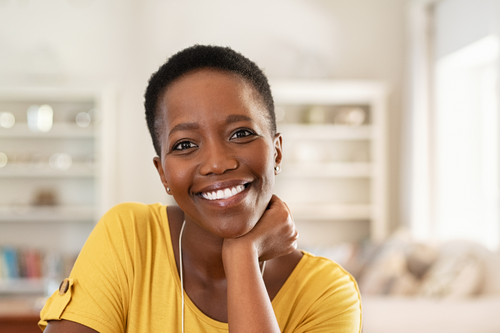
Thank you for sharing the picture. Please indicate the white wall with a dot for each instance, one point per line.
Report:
(459, 23)
(370, 43)
(123, 42)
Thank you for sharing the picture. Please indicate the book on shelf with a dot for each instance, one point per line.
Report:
(23, 263)
(10, 263)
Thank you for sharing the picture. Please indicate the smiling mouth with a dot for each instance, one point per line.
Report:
(224, 193)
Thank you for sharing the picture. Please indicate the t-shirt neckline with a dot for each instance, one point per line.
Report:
(187, 299)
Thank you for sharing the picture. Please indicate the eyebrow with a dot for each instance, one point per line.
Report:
(183, 127)
(233, 118)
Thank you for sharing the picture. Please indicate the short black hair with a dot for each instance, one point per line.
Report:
(196, 57)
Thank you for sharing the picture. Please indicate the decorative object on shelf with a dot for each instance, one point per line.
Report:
(309, 152)
(83, 119)
(40, 118)
(45, 197)
(352, 116)
(316, 115)
(60, 161)
(7, 120)
(3, 159)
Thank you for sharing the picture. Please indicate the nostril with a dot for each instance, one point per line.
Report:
(218, 165)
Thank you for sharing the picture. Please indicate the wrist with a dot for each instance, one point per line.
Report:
(237, 252)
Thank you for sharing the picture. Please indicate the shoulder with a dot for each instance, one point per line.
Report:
(319, 296)
(322, 271)
(322, 265)
(133, 212)
(134, 209)
(130, 221)
(318, 280)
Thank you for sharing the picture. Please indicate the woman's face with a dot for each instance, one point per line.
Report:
(218, 153)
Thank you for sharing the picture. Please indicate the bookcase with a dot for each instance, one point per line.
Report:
(56, 179)
(334, 173)
(56, 183)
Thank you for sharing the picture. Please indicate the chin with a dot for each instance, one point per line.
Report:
(235, 226)
(233, 220)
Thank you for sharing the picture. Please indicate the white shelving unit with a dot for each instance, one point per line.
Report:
(334, 173)
(78, 194)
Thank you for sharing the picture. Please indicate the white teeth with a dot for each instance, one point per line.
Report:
(223, 194)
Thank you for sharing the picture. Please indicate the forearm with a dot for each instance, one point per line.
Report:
(249, 306)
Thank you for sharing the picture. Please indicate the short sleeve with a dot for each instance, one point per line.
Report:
(337, 310)
(98, 291)
(319, 297)
(56, 304)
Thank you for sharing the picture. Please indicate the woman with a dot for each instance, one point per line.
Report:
(225, 258)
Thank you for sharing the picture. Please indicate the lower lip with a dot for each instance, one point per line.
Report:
(229, 201)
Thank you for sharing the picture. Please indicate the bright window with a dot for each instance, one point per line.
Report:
(466, 150)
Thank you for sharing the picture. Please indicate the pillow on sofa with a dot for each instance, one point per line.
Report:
(387, 273)
(458, 272)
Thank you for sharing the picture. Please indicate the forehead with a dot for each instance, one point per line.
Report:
(207, 94)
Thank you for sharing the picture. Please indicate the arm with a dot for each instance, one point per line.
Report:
(66, 326)
(97, 283)
(249, 306)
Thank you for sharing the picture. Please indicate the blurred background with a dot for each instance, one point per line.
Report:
(388, 108)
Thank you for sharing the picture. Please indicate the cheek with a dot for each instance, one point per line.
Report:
(178, 176)
(263, 164)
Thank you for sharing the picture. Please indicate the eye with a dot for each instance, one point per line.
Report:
(242, 133)
(184, 145)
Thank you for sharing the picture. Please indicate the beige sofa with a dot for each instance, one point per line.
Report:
(409, 288)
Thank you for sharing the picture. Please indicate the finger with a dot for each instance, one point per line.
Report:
(274, 200)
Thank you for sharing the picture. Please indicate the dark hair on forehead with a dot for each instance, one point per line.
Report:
(196, 57)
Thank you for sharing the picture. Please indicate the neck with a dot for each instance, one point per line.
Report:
(202, 253)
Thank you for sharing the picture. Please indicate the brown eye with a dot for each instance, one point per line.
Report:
(184, 145)
(242, 134)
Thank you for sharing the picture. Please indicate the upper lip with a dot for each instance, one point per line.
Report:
(222, 185)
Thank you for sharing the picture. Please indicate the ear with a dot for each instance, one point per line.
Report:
(278, 153)
(159, 168)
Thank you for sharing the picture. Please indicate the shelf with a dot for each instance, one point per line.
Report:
(326, 170)
(327, 92)
(47, 213)
(77, 170)
(22, 286)
(325, 132)
(330, 212)
(59, 130)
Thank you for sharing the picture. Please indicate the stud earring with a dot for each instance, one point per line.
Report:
(168, 189)
(277, 168)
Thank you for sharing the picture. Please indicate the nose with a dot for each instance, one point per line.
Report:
(217, 158)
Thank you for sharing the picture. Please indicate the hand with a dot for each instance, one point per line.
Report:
(274, 234)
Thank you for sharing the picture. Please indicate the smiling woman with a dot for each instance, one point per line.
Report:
(199, 266)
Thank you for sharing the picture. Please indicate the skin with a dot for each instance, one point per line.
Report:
(216, 135)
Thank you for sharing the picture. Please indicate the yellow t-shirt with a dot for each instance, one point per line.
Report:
(125, 280)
